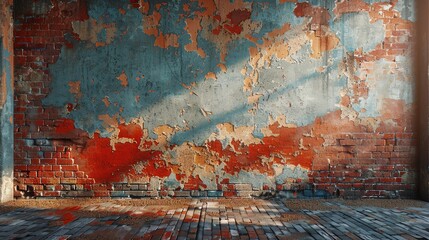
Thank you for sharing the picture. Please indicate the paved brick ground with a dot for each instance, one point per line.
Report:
(211, 219)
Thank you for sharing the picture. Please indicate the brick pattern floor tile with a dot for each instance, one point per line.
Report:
(209, 219)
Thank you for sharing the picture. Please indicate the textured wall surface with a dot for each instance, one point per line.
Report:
(6, 101)
(148, 98)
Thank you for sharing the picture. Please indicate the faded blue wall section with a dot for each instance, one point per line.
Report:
(6, 104)
(160, 98)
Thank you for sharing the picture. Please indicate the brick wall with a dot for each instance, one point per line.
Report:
(43, 165)
(342, 151)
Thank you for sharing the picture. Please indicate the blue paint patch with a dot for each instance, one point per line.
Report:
(171, 182)
(106, 11)
(257, 180)
(390, 86)
(274, 15)
(295, 172)
(407, 8)
(296, 90)
(301, 94)
(355, 31)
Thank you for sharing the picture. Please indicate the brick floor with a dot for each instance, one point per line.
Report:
(210, 219)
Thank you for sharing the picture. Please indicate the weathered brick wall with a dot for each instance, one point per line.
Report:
(117, 98)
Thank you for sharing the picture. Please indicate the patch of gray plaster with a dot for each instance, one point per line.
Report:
(355, 31)
(384, 82)
(300, 93)
(257, 180)
(171, 182)
(6, 129)
(407, 8)
(291, 171)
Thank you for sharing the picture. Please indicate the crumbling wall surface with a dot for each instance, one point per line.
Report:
(218, 98)
(6, 102)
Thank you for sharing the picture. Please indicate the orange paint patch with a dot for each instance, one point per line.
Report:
(211, 75)
(100, 44)
(193, 27)
(106, 101)
(222, 67)
(150, 23)
(279, 31)
(186, 7)
(74, 88)
(322, 43)
(3, 89)
(123, 79)
(209, 6)
(167, 40)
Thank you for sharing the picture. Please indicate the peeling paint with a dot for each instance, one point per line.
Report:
(196, 95)
(123, 79)
(98, 34)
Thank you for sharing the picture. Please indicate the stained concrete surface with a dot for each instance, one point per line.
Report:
(214, 219)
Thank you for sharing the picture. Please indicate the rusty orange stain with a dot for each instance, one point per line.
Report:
(186, 7)
(74, 88)
(106, 101)
(123, 79)
(222, 67)
(326, 41)
(150, 23)
(167, 40)
(211, 75)
(144, 6)
(3, 88)
(193, 27)
(209, 6)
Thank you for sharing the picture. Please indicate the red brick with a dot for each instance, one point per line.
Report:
(50, 180)
(404, 135)
(350, 142)
(68, 174)
(85, 181)
(49, 161)
(70, 167)
(47, 174)
(51, 193)
(230, 194)
(65, 161)
(20, 167)
(102, 194)
(69, 181)
(31, 180)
